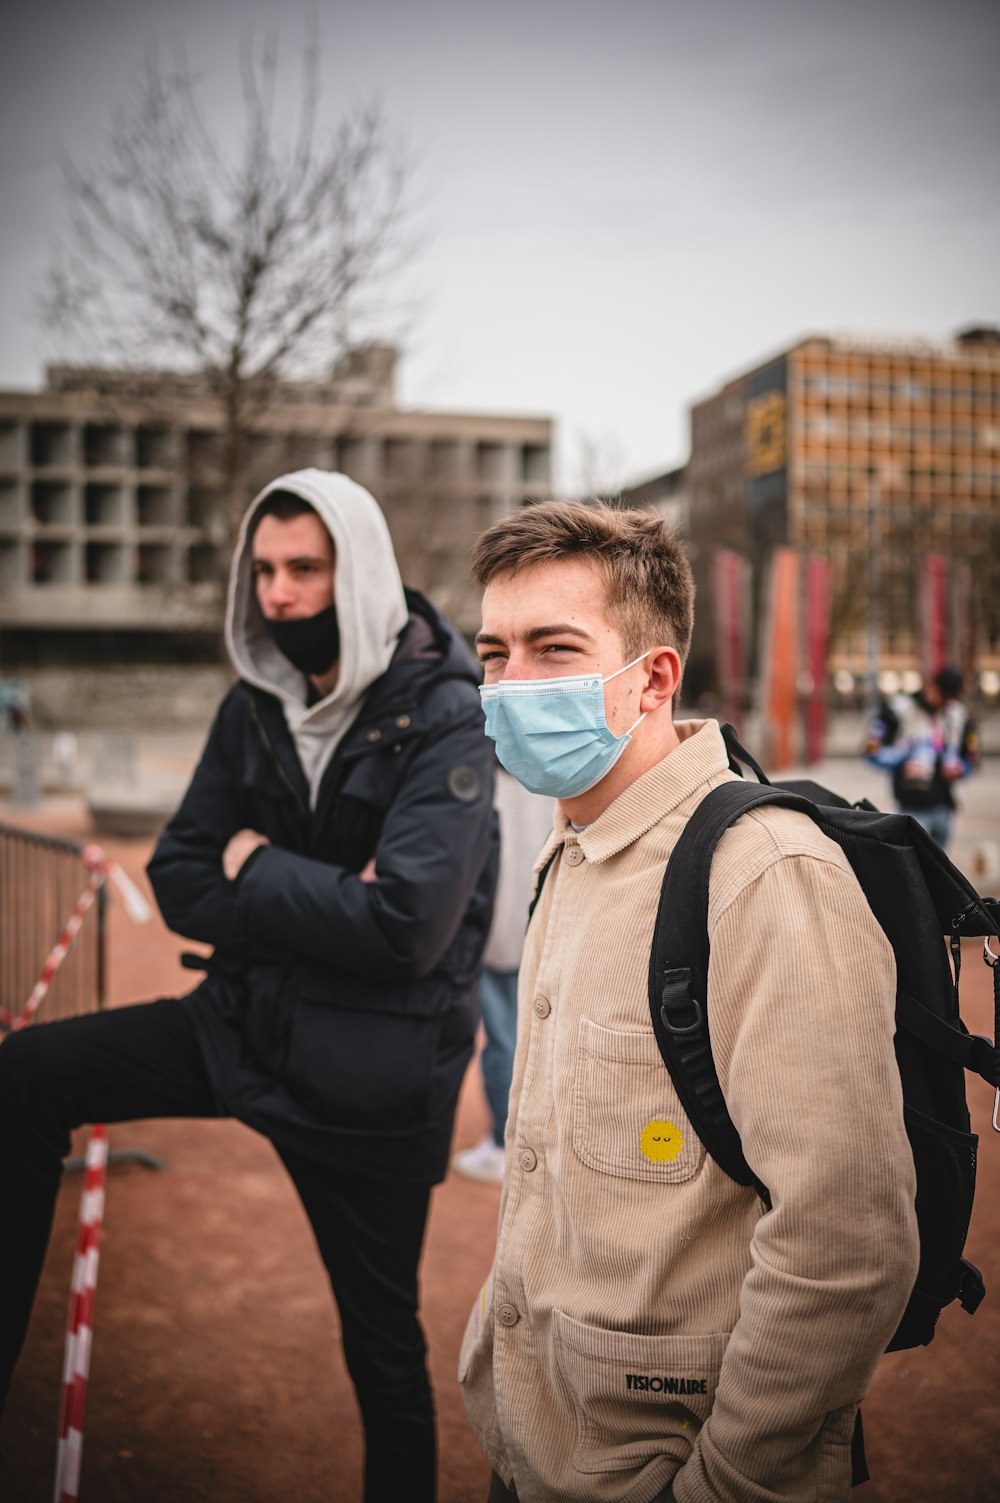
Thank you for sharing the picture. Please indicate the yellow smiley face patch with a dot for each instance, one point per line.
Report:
(661, 1141)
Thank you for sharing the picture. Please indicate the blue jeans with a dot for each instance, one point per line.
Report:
(936, 821)
(498, 1003)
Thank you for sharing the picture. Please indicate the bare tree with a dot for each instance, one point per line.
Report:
(598, 466)
(244, 269)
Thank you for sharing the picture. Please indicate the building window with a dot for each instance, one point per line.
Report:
(51, 444)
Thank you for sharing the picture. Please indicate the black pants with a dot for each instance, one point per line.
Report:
(144, 1061)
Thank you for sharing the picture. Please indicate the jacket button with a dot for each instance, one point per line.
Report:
(375, 735)
(507, 1315)
(542, 1007)
(574, 855)
(529, 1160)
(402, 721)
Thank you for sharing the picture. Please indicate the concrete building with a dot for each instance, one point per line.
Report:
(114, 532)
(666, 494)
(851, 447)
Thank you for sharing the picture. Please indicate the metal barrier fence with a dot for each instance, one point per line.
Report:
(46, 888)
(53, 963)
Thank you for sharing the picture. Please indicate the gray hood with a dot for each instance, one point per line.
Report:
(371, 610)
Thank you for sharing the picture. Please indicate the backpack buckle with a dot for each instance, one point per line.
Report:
(680, 1031)
(675, 996)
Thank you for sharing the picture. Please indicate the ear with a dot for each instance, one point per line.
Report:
(664, 668)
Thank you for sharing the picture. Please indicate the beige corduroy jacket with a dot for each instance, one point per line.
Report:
(644, 1319)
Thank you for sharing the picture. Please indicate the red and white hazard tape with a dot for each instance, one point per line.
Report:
(79, 1333)
(100, 868)
(76, 1367)
(57, 955)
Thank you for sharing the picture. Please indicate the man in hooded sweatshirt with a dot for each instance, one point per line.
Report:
(337, 849)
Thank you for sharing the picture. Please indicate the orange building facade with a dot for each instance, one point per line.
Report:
(871, 453)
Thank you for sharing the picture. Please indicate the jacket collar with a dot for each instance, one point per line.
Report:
(683, 772)
(429, 648)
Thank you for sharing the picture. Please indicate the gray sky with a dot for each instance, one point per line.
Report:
(626, 203)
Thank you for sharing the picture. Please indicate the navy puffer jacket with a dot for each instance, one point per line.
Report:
(338, 1016)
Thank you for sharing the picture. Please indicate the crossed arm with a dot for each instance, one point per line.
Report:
(430, 854)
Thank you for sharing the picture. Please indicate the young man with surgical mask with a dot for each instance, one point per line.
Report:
(337, 850)
(647, 1331)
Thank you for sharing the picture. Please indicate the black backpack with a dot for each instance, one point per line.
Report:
(917, 895)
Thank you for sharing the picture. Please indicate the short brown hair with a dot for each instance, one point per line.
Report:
(650, 588)
(281, 504)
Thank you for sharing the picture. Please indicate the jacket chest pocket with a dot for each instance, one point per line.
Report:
(350, 834)
(354, 824)
(627, 1118)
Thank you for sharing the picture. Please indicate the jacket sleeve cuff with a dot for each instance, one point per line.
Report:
(248, 863)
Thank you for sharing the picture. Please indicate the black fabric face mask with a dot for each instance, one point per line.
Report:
(312, 643)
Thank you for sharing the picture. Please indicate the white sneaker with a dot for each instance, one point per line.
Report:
(484, 1162)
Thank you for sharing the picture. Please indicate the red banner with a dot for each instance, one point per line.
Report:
(962, 636)
(817, 645)
(779, 661)
(932, 613)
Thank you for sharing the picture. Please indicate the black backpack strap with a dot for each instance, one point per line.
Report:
(972, 1051)
(738, 754)
(542, 874)
(678, 969)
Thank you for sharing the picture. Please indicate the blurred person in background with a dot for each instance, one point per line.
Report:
(928, 742)
(337, 850)
(525, 822)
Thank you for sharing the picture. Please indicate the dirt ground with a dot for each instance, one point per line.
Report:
(216, 1375)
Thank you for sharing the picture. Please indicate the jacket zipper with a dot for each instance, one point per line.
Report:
(282, 774)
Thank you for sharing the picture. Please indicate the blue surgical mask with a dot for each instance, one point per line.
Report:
(551, 733)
